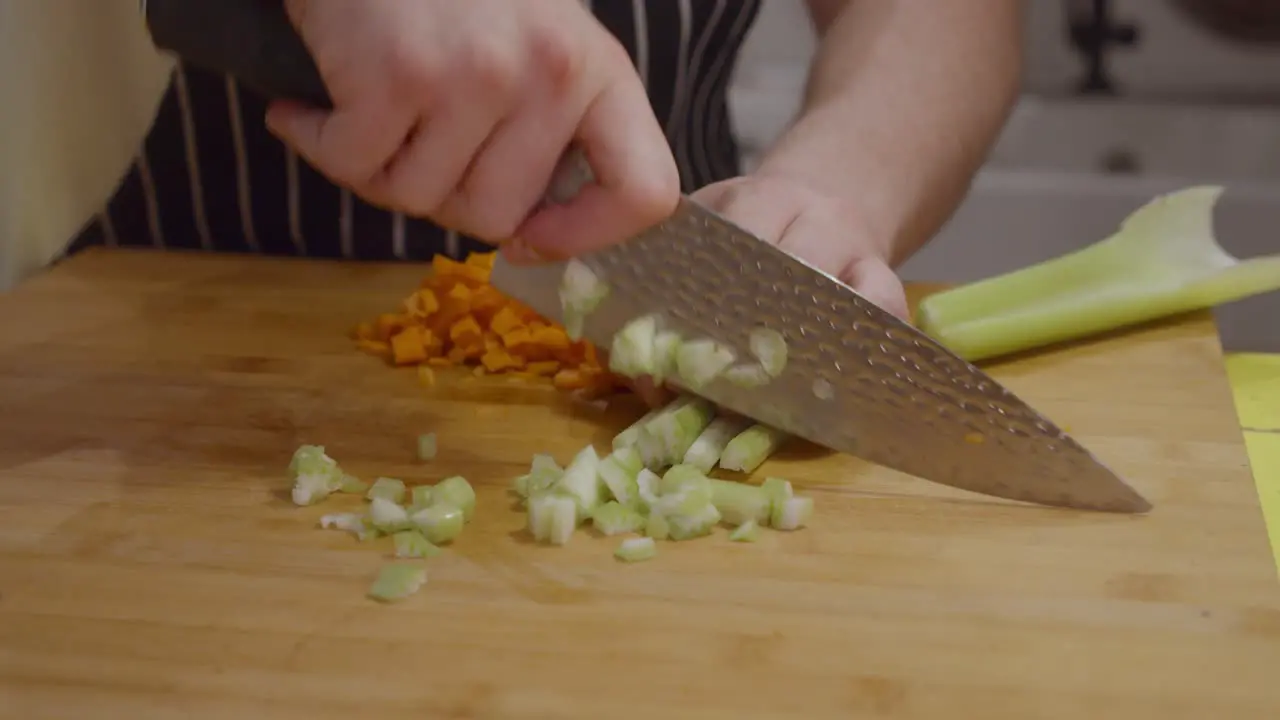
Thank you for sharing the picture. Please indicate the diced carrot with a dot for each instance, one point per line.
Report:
(505, 321)
(389, 324)
(466, 331)
(440, 362)
(426, 376)
(375, 347)
(497, 360)
(445, 266)
(544, 368)
(408, 346)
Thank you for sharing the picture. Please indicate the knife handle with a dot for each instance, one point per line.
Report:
(255, 42)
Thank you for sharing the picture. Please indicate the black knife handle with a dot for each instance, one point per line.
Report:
(251, 40)
(255, 42)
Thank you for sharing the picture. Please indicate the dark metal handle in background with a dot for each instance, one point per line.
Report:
(254, 41)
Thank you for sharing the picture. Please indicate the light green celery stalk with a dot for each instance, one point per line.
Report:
(1163, 260)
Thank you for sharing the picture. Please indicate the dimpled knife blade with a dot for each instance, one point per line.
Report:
(857, 380)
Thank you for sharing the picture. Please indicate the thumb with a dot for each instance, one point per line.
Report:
(300, 126)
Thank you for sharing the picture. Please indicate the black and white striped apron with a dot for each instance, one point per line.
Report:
(211, 177)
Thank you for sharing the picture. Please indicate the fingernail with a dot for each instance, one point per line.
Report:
(519, 252)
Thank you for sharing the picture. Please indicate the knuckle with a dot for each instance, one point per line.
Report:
(489, 65)
(557, 56)
(414, 68)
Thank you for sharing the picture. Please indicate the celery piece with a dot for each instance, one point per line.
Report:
(520, 486)
(347, 522)
(613, 518)
(739, 502)
(544, 464)
(552, 518)
(666, 344)
(631, 353)
(750, 448)
(581, 292)
(657, 527)
(456, 491)
(440, 522)
(628, 437)
(770, 348)
(748, 531)
(792, 513)
(618, 471)
(705, 451)
(666, 438)
(698, 362)
(777, 490)
(310, 489)
(636, 550)
(388, 489)
(353, 485)
(686, 526)
(648, 485)
(581, 481)
(427, 446)
(316, 476)
(681, 478)
(747, 376)
(420, 497)
(1163, 260)
(543, 474)
(312, 460)
(388, 517)
(413, 544)
(398, 581)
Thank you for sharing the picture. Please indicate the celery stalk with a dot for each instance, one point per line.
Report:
(628, 437)
(397, 581)
(665, 346)
(455, 491)
(750, 448)
(666, 438)
(440, 523)
(636, 550)
(413, 544)
(792, 514)
(581, 292)
(613, 518)
(388, 489)
(705, 451)
(1163, 260)
(648, 486)
(739, 502)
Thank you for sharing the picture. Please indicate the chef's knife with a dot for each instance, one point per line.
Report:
(857, 379)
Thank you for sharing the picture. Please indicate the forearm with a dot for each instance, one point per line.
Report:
(904, 100)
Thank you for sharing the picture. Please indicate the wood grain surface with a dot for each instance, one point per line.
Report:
(152, 567)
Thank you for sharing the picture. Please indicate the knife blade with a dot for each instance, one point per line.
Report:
(858, 380)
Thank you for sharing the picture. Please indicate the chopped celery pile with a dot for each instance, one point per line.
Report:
(749, 449)
(387, 489)
(1164, 259)
(581, 292)
(636, 550)
(397, 582)
(316, 476)
(644, 347)
(413, 544)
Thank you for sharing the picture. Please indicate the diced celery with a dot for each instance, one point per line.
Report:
(427, 446)
(657, 527)
(440, 523)
(1163, 260)
(420, 497)
(398, 581)
(413, 544)
(353, 485)
(740, 503)
(312, 460)
(750, 448)
(748, 531)
(777, 490)
(613, 518)
(309, 489)
(679, 478)
(456, 491)
(581, 292)
(632, 353)
(543, 465)
(520, 486)
(581, 481)
(666, 438)
(347, 522)
(747, 376)
(770, 348)
(636, 550)
(316, 476)
(552, 518)
(705, 450)
(666, 344)
(387, 516)
(686, 526)
(648, 487)
(792, 514)
(388, 489)
(628, 437)
(618, 471)
(698, 362)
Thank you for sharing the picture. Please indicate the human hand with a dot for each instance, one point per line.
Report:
(813, 227)
(459, 112)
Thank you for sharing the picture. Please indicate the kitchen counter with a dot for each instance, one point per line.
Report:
(151, 565)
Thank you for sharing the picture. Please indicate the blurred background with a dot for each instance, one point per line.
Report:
(1124, 99)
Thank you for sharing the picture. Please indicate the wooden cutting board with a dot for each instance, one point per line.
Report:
(151, 566)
